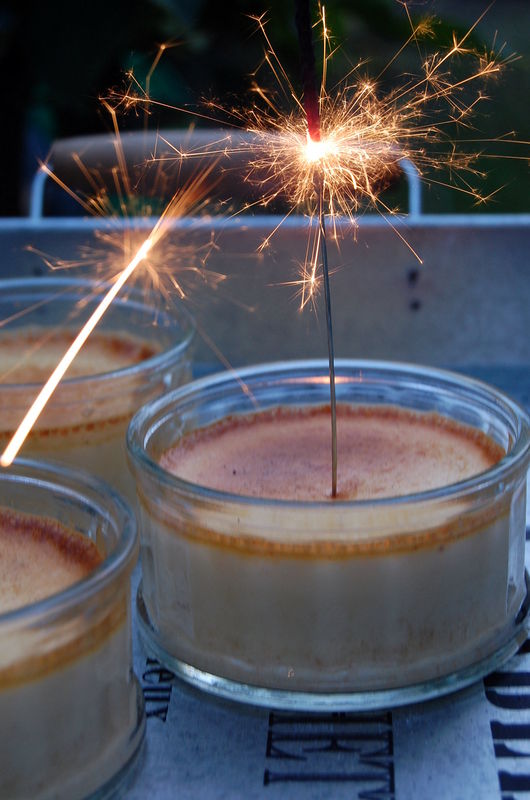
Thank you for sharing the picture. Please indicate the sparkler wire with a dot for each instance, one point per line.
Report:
(312, 112)
(331, 350)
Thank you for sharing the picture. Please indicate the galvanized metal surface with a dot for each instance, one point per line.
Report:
(467, 305)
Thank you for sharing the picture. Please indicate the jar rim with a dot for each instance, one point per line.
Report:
(152, 416)
(78, 487)
(159, 361)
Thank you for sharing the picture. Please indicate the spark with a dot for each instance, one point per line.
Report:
(365, 131)
(317, 150)
(181, 201)
(53, 381)
(134, 185)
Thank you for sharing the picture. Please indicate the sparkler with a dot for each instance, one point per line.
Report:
(314, 144)
(356, 135)
(333, 152)
(124, 192)
(180, 203)
(364, 134)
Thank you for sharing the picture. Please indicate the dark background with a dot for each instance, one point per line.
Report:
(59, 57)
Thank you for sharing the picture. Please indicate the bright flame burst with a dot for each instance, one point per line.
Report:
(365, 134)
(127, 248)
(131, 188)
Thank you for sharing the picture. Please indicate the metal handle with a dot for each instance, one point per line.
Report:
(36, 202)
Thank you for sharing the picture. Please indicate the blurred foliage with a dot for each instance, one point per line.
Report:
(62, 56)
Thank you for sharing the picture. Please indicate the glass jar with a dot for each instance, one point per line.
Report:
(71, 710)
(135, 353)
(332, 604)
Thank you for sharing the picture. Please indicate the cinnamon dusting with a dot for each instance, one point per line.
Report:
(284, 453)
(40, 557)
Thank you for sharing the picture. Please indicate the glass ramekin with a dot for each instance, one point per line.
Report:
(71, 710)
(337, 604)
(85, 421)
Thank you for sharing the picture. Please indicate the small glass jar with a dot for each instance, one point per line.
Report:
(71, 710)
(85, 421)
(332, 604)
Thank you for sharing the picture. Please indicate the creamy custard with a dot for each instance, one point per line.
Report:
(29, 355)
(39, 557)
(285, 454)
(68, 698)
(301, 592)
(85, 421)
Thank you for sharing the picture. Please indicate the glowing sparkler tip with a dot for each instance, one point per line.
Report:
(317, 149)
(145, 248)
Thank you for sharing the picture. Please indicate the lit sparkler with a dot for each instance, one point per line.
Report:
(332, 152)
(364, 133)
(315, 152)
(182, 201)
(132, 186)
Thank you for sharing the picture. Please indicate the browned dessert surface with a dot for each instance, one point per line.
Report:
(285, 454)
(39, 557)
(31, 354)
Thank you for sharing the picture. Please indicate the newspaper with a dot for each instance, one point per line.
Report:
(472, 745)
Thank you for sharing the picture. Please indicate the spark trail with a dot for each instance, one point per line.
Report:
(181, 201)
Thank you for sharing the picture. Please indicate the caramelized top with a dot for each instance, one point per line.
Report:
(39, 557)
(29, 355)
(285, 454)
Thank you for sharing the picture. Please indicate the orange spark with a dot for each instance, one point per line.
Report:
(182, 199)
(53, 381)
(365, 132)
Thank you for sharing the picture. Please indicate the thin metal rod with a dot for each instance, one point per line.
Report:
(331, 350)
(312, 111)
